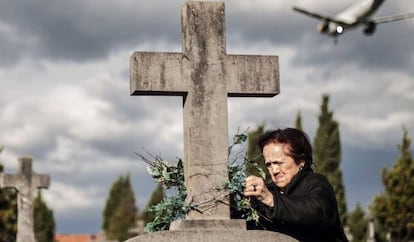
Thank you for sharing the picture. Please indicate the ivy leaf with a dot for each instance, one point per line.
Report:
(239, 138)
(166, 175)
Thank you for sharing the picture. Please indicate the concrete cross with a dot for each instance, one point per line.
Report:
(371, 226)
(25, 181)
(205, 76)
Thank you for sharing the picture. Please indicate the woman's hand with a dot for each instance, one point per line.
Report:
(256, 187)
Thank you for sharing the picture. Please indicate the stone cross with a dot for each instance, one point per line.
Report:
(205, 76)
(25, 181)
(371, 227)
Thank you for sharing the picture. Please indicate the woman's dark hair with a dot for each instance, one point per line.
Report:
(299, 145)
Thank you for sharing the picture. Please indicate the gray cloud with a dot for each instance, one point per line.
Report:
(86, 30)
(65, 68)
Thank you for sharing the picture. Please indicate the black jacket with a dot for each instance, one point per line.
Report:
(307, 210)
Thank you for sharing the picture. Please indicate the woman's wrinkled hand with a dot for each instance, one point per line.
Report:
(255, 187)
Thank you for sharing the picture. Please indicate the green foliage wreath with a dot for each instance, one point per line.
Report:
(174, 206)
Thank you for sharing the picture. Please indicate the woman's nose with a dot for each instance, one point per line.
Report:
(274, 168)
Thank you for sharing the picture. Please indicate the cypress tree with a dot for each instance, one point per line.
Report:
(156, 197)
(394, 210)
(112, 202)
(298, 122)
(358, 224)
(327, 154)
(8, 211)
(254, 154)
(44, 223)
(253, 150)
(120, 211)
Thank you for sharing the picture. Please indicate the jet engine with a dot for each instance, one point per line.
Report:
(369, 28)
(323, 27)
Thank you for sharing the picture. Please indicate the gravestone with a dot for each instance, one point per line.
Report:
(204, 75)
(26, 182)
(371, 227)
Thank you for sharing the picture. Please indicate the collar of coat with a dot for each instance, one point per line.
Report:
(295, 180)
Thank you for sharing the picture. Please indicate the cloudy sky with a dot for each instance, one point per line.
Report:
(64, 76)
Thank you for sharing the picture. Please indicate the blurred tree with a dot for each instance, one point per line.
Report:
(394, 210)
(357, 224)
(253, 150)
(254, 155)
(120, 213)
(298, 122)
(327, 154)
(44, 222)
(380, 232)
(156, 197)
(8, 211)
(112, 202)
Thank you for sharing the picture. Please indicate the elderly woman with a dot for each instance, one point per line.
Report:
(299, 202)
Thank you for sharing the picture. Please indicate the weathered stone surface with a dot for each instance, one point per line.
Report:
(205, 76)
(213, 236)
(25, 181)
(204, 224)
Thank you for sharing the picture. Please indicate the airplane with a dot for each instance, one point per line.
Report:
(356, 15)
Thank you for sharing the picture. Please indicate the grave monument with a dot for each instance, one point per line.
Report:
(205, 75)
(26, 182)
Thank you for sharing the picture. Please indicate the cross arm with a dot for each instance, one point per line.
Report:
(252, 75)
(40, 181)
(154, 73)
(7, 180)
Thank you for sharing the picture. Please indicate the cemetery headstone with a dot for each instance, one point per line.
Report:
(26, 182)
(205, 75)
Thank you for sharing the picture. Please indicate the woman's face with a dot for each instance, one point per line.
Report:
(281, 166)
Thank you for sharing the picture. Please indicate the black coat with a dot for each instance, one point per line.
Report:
(307, 210)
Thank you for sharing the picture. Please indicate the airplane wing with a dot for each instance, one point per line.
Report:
(393, 18)
(318, 16)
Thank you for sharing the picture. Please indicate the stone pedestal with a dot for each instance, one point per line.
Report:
(210, 224)
(213, 236)
(211, 231)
